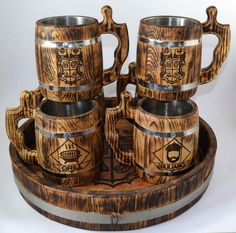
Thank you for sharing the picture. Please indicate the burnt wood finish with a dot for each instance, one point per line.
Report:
(118, 195)
(69, 55)
(68, 146)
(28, 102)
(125, 79)
(163, 145)
(168, 62)
(222, 31)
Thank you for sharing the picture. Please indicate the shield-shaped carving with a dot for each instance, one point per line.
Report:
(172, 62)
(70, 68)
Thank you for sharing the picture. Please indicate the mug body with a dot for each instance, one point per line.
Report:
(165, 139)
(69, 58)
(69, 139)
(168, 57)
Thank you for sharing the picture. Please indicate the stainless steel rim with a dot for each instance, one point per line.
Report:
(83, 87)
(85, 132)
(169, 44)
(167, 88)
(66, 44)
(167, 134)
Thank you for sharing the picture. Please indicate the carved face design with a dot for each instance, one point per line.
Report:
(173, 152)
(70, 67)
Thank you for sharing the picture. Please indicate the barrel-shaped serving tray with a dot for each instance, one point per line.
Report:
(118, 199)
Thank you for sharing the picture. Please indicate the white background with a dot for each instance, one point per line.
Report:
(216, 211)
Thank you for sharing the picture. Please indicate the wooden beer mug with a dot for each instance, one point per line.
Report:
(69, 55)
(168, 62)
(69, 137)
(165, 137)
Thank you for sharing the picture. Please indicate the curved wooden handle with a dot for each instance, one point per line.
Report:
(120, 31)
(28, 102)
(125, 79)
(113, 115)
(222, 31)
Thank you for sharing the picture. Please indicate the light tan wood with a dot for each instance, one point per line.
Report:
(117, 189)
(161, 157)
(70, 146)
(28, 102)
(179, 66)
(71, 74)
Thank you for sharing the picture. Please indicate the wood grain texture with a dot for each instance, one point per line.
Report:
(75, 157)
(71, 74)
(70, 146)
(125, 79)
(127, 197)
(222, 31)
(120, 31)
(28, 102)
(157, 158)
(180, 65)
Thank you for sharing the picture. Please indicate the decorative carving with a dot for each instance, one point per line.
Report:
(69, 157)
(175, 157)
(172, 62)
(70, 68)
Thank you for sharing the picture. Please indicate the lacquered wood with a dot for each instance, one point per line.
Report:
(180, 65)
(80, 66)
(125, 79)
(70, 147)
(157, 159)
(28, 102)
(117, 190)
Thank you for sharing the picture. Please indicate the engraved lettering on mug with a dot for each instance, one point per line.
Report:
(70, 67)
(172, 62)
(69, 158)
(172, 157)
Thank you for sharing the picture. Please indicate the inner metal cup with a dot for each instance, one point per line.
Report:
(67, 21)
(170, 21)
(57, 109)
(167, 108)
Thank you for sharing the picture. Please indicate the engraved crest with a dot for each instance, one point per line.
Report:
(172, 61)
(172, 157)
(69, 158)
(70, 67)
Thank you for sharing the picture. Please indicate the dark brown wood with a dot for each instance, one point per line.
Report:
(117, 190)
(177, 66)
(160, 158)
(74, 73)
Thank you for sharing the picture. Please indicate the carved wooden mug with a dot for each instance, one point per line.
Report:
(168, 63)
(69, 137)
(165, 137)
(69, 55)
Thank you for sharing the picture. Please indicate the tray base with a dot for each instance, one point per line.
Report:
(118, 199)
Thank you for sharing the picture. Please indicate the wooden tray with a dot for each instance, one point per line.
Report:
(118, 199)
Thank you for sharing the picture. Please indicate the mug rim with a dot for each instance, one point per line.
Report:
(41, 22)
(195, 22)
(192, 112)
(39, 110)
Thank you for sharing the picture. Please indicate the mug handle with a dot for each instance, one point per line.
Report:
(125, 79)
(113, 115)
(222, 31)
(120, 31)
(28, 103)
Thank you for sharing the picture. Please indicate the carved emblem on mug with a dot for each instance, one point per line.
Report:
(70, 68)
(172, 62)
(69, 158)
(172, 157)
